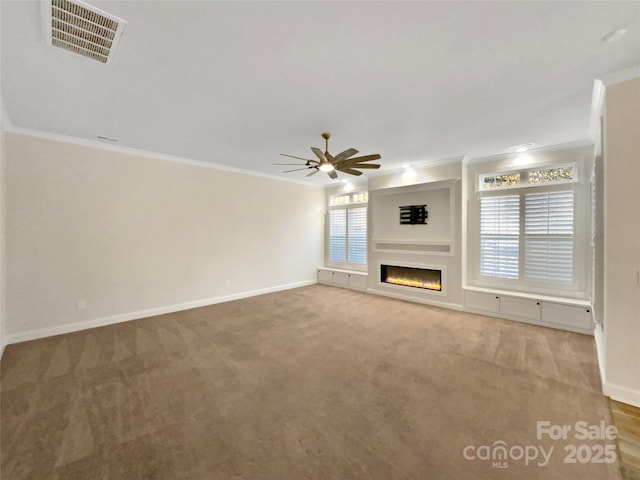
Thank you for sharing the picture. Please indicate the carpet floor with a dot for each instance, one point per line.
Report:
(311, 383)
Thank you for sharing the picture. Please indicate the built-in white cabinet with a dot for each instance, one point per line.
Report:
(566, 314)
(325, 276)
(520, 307)
(482, 301)
(343, 278)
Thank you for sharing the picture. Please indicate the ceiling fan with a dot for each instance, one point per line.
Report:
(342, 162)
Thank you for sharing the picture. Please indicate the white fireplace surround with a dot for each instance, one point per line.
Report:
(403, 288)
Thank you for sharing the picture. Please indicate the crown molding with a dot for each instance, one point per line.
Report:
(10, 128)
(535, 151)
(417, 166)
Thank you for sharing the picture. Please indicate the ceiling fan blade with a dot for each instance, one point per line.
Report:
(299, 158)
(346, 154)
(332, 174)
(312, 173)
(363, 165)
(319, 154)
(297, 169)
(329, 157)
(365, 158)
(351, 171)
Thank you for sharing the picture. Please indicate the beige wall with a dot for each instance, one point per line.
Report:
(622, 241)
(127, 233)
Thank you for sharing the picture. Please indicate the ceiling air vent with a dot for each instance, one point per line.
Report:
(82, 29)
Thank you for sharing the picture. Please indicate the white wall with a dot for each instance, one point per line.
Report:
(2, 244)
(622, 241)
(132, 235)
(439, 187)
(3, 120)
(418, 174)
(386, 223)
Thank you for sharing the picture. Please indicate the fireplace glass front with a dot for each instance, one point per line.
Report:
(411, 277)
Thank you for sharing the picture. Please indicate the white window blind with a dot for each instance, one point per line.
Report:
(357, 235)
(347, 230)
(338, 235)
(500, 236)
(549, 236)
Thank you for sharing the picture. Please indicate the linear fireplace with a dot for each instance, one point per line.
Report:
(414, 277)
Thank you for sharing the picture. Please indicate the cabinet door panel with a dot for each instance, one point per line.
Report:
(325, 276)
(340, 278)
(520, 308)
(487, 302)
(579, 317)
(358, 281)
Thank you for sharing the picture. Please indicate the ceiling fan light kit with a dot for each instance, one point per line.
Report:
(326, 167)
(343, 162)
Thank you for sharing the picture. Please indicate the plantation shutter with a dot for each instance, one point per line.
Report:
(357, 243)
(500, 236)
(549, 236)
(338, 235)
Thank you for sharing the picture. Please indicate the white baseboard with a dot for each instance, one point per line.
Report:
(151, 312)
(622, 394)
(452, 306)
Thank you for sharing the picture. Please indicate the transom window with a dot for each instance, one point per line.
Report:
(526, 178)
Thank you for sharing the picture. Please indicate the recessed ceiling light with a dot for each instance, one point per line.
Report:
(405, 165)
(521, 148)
(615, 35)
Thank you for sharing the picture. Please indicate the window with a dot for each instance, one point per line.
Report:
(338, 235)
(499, 236)
(357, 235)
(502, 181)
(347, 231)
(527, 234)
(548, 236)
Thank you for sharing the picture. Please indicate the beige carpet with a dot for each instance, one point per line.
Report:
(311, 383)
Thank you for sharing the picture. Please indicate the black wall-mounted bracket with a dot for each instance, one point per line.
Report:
(413, 215)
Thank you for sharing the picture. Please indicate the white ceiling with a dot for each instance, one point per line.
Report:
(237, 83)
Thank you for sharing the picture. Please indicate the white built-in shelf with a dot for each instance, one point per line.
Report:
(415, 247)
(354, 279)
(557, 312)
(547, 298)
